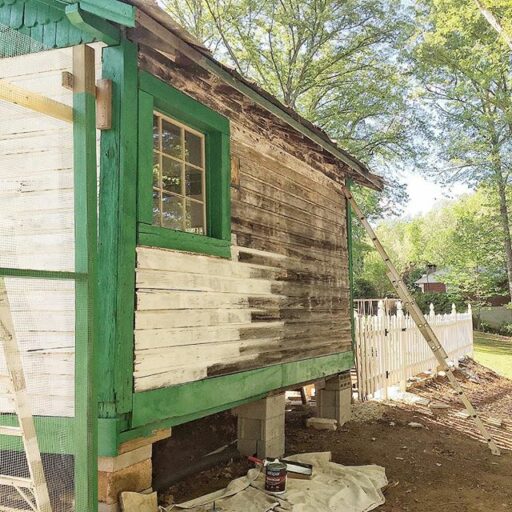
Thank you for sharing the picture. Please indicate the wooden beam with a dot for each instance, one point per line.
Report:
(201, 398)
(34, 101)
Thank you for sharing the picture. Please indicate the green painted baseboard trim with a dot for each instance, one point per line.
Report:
(168, 407)
(108, 435)
(181, 403)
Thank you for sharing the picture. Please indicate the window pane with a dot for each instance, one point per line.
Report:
(156, 136)
(194, 219)
(171, 175)
(193, 149)
(171, 139)
(194, 183)
(156, 207)
(156, 170)
(172, 214)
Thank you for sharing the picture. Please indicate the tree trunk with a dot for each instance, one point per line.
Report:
(494, 22)
(502, 193)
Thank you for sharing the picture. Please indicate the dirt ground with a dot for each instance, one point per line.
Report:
(438, 466)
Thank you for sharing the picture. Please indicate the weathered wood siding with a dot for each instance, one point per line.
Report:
(283, 297)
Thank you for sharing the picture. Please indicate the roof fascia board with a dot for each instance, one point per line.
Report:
(99, 28)
(109, 10)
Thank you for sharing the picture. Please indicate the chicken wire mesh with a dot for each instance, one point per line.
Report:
(42, 313)
(37, 234)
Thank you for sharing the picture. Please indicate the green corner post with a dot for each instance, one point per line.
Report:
(84, 153)
(350, 246)
(116, 246)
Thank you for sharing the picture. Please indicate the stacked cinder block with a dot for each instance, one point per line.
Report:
(261, 427)
(130, 470)
(335, 397)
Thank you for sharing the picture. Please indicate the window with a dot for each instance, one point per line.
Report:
(178, 176)
(183, 181)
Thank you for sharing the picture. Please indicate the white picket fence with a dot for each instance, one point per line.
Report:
(390, 349)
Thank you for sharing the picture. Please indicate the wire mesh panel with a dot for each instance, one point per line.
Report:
(43, 320)
(44, 308)
(36, 193)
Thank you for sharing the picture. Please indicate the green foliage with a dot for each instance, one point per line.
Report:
(335, 62)
(364, 289)
(459, 237)
(506, 329)
(442, 302)
(464, 74)
(372, 279)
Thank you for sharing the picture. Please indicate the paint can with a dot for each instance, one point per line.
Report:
(275, 477)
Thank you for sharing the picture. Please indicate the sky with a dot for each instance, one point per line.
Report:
(425, 194)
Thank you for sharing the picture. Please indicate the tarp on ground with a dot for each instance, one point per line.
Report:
(333, 488)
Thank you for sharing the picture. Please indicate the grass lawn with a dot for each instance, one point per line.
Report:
(494, 351)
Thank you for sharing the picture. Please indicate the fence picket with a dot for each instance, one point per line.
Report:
(390, 348)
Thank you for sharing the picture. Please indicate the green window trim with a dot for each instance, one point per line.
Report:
(157, 95)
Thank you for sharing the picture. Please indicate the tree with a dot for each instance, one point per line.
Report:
(466, 76)
(335, 62)
(459, 237)
(495, 21)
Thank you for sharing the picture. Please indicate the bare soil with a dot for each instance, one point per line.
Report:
(439, 466)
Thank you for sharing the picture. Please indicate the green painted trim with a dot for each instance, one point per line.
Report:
(157, 95)
(41, 25)
(149, 430)
(117, 235)
(54, 434)
(181, 106)
(145, 141)
(54, 4)
(155, 236)
(350, 247)
(200, 398)
(97, 27)
(85, 186)
(42, 274)
(116, 12)
(108, 435)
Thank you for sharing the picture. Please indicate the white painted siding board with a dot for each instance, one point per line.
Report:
(166, 280)
(191, 310)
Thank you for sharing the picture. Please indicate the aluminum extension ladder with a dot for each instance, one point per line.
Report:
(422, 323)
(33, 490)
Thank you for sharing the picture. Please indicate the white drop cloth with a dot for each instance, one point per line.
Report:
(333, 488)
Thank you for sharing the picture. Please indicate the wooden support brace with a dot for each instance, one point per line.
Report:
(104, 104)
(103, 99)
(24, 98)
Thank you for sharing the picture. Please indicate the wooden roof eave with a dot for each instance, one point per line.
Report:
(150, 30)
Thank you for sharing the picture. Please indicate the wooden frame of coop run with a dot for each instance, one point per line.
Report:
(219, 275)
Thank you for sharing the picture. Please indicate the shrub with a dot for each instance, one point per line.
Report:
(442, 302)
(506, 329)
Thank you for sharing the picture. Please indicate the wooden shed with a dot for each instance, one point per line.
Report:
(178, 238)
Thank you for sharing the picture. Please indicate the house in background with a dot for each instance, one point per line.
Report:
(432, 281)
